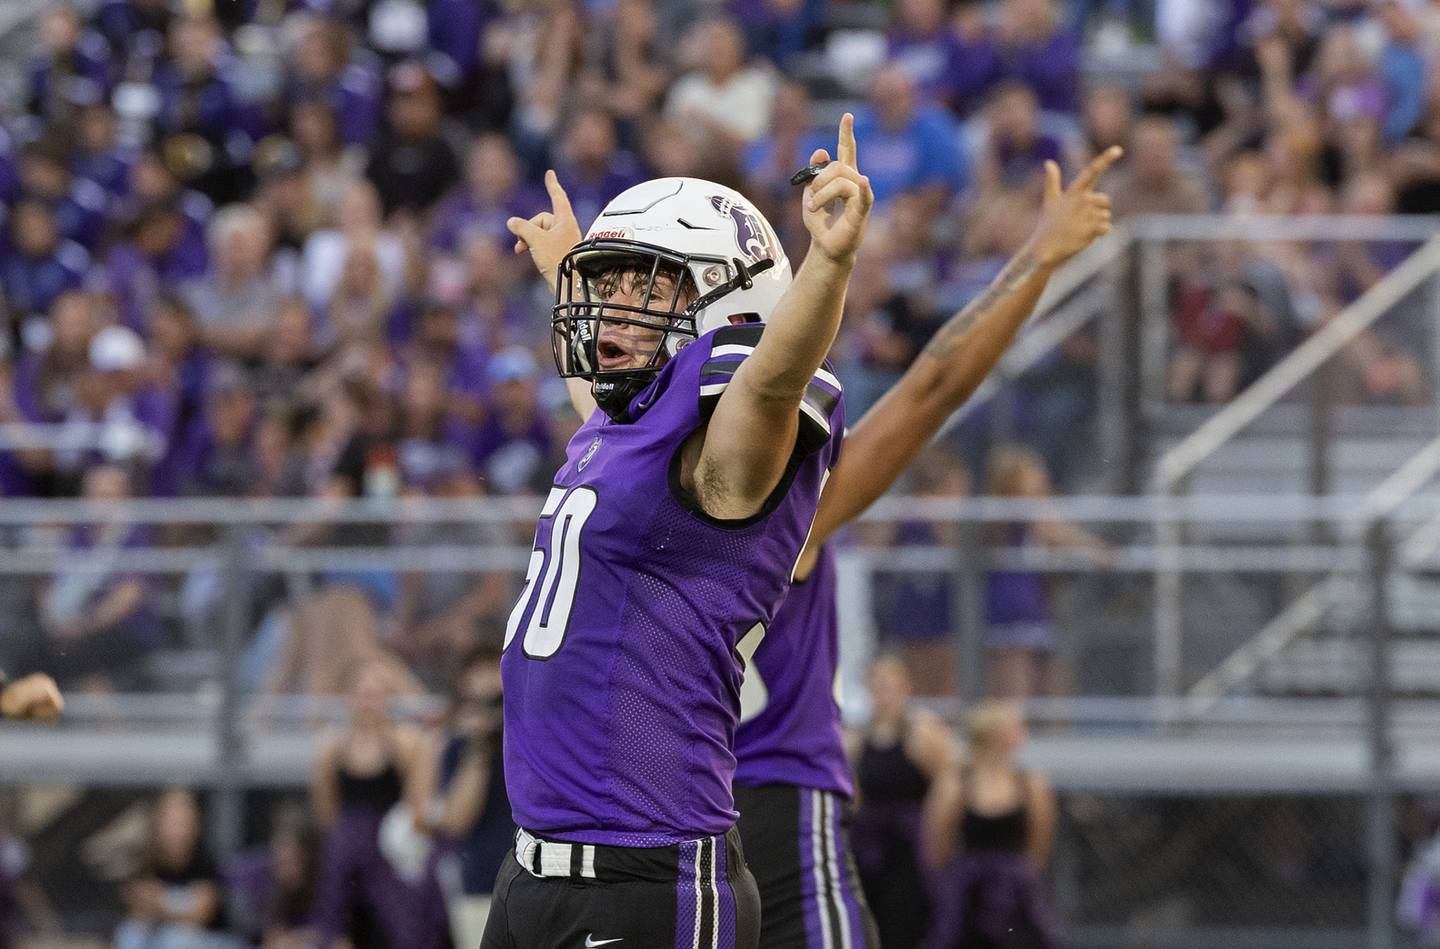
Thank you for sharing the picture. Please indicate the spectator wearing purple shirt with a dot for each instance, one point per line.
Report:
(778, 30)
(412, 165)
(36, 263)
(135, 419)
(909, 148)
(135, 29)
(72, 71)
(78, 205)
(179, 363)
(152, 182)
(98, 622)
(491, 194)
(45, 379)
(156, 257)
(592, 165)
(514, 441)
(9, 168)
(948, 69)
(439, 341)
(320, 71)
(429, 440)
(216, 457)
(97, 157)
(1015, 149)
(1035, 49)
(495, 310)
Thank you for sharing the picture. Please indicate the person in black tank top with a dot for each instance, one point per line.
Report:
(378, 764)
(896, 758)
(989, 826)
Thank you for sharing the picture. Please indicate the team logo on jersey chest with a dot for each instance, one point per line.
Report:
(589, 453)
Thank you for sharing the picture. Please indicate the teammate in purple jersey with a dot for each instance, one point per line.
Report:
(792, 782)
(671, 532)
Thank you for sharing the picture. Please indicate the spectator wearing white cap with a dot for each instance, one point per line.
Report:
(116, 418)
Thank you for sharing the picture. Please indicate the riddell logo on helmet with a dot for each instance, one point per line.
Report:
(619, 232)
(752, 234)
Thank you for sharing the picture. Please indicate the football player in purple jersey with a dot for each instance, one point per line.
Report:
(792, 780)
(670, 533)
(32, 697)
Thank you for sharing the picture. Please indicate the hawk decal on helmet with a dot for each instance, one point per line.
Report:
(752, 232)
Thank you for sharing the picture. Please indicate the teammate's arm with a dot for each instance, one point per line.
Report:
(940, 818)
(548, 236)
(734, 463)
(1042, 817)
(325, 783)
(963, 351)
(34, 697)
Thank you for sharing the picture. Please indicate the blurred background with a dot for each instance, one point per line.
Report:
(277, 412)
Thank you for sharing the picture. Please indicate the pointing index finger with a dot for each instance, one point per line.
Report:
(845, 149)
(558, 198)
(1096, 168)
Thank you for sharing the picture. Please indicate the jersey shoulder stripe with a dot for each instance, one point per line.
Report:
(729, 348)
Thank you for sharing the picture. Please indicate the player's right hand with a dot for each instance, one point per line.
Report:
(1072, 219)
(34, 697)
(549, 235)
(837, 202)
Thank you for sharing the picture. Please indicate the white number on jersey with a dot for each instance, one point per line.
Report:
(553, 574)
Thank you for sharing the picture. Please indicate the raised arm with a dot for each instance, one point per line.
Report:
(548, 236)
(963, 351)
(733, 464)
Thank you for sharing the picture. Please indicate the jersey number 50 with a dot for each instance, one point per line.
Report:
(553, 574)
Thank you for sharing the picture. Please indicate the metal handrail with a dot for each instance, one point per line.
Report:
(1182, 459)
(1311, 606)
(1128, 509)
(1281, 227)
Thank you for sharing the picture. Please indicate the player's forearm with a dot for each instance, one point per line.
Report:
(897, 428)
(799, 333)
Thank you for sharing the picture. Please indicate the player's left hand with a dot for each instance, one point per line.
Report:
(1074, 217)
(837, 202)
(549, 235)
(34, 697)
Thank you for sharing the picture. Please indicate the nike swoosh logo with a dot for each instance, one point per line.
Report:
(591, 942)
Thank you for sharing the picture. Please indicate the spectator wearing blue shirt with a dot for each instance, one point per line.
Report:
(37, 264)
(78, 205)
(1402, 70)
(909, 148)
(769, 161)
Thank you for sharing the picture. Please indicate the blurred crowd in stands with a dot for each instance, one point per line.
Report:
(257, 248)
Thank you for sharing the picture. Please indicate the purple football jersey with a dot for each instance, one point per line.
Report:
(790, 730)
(622, 674)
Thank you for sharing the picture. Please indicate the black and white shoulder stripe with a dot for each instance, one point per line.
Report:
(731, 345)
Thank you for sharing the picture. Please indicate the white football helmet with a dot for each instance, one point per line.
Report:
(704, 237)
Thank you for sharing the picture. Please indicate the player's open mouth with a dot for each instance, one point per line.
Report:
(612, 354)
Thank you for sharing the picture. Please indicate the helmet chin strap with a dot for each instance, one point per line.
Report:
(614, 393)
